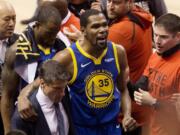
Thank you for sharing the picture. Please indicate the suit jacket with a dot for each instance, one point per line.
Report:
(10, 42)
(12, 39)
(40, 126)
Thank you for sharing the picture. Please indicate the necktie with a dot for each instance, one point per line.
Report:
(60, 119)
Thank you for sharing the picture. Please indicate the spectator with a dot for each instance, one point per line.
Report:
(155, 7)
(77, 6)
(130, 26)
(160, 86)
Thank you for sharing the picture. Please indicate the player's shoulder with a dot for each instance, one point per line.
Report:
(119, 48)
(63, 55)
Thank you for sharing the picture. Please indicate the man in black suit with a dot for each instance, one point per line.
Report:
(7, 38)
(53, 80)
(7, 35)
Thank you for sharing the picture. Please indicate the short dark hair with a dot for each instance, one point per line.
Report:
(51, 71)
(170, 22)
(46, 13)
(16, 132)
(84, 16)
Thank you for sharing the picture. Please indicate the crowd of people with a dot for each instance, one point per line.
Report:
(90, 67)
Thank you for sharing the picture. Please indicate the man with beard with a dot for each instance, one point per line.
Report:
(98, 74)
(131, 27)
(35, 45)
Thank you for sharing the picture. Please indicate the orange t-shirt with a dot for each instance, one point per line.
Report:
(137, 42)
(164, 80)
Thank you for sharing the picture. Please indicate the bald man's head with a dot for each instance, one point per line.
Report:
(7, 19)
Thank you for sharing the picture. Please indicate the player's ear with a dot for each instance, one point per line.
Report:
(83, 30)
(178, 35)
(42, 83)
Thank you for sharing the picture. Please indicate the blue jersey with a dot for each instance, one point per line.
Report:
(46, 53)
(95, 98)
(28, 51)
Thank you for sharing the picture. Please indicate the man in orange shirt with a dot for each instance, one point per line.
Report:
(162, 78)
(130, 26)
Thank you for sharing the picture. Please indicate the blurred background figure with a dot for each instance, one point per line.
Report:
(76, 6)
(27, 21)
(155, 7)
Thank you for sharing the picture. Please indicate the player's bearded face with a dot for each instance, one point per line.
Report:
(97, 31)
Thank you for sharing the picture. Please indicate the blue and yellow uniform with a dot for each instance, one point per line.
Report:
(46, 53)
(28, 52)
(95, 98)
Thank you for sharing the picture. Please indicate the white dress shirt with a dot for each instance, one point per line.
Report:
(3, 48)
(50, 114)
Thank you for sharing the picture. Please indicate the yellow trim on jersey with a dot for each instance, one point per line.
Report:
(116, 57)
(46, 51)
(75, 66)
(96, 61)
